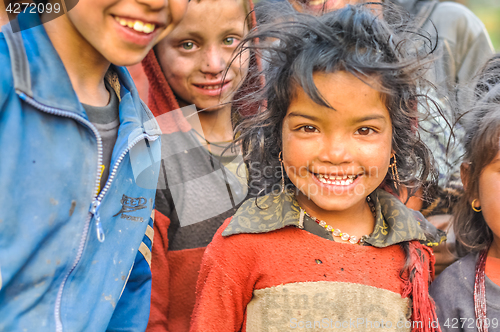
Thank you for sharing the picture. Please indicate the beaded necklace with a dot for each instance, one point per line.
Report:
(480, 293)
(337, 232)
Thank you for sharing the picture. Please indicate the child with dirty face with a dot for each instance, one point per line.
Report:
(326, 239)
(193, 78)
(77, 171)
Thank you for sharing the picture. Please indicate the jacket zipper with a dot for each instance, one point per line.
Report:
(94, 207)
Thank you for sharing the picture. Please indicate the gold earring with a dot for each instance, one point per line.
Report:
(282, 175)
(395, 175)
(475, 208)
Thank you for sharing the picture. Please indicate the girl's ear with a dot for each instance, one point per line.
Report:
(465, 174)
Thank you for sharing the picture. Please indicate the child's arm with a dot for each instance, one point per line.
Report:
(132, 310)
(225, 286)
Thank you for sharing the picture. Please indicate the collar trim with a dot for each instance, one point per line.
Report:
(394, 222)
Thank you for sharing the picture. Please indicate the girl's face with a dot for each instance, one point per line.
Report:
(336, 158)
(195, 55)
(489, 191)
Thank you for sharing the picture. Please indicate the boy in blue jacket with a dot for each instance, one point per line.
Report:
(79, 159)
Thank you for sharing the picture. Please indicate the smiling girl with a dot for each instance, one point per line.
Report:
(323, 246)
(191, 82)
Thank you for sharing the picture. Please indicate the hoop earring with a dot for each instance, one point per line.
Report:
(282, 175)
(475, 208)
(395, 175)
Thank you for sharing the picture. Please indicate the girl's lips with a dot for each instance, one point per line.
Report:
(135, 37)
(338, 188)
(211, 89)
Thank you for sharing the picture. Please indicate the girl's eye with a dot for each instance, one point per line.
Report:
(188, 45)
(228, 41)
(308, 129)
(364, 131)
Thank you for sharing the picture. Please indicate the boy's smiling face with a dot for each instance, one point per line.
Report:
(195, 55)
(337, 157)
(123, 31)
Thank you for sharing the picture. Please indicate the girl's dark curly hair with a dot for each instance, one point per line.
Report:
(482, 144)
(294, 46)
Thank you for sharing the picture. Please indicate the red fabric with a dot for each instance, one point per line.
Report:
(236, 265)
(492, 269)
(184, 267)
(160, 273)
(174, 278)
(161, 98)
(422, 268)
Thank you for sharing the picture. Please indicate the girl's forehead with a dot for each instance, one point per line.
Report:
(348, 95)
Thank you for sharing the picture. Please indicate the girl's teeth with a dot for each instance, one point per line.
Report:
(211, 87)
(136, 25)
(336, 180)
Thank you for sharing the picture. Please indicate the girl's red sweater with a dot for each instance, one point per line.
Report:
(260, 273)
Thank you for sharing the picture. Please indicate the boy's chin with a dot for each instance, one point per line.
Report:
(126, 58)
(130, 57)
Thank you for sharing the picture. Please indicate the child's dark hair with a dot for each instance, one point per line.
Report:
(482, 143)
(294, 47)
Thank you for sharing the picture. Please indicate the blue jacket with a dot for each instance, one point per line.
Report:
(70, 260)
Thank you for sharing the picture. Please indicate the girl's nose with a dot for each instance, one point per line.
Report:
(213, 62)
(335, 150)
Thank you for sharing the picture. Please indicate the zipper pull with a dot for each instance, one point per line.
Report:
(94, 209)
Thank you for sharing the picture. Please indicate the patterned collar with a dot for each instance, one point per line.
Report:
(394, 223)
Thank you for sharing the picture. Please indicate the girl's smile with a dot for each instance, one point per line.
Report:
(336, 183)
(337, 157)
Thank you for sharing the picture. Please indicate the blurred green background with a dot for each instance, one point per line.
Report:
(489, 12)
